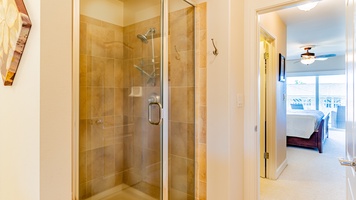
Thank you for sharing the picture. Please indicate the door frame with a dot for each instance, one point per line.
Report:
(269, 109)
(263, 117)
(350, 98)
(251, 87)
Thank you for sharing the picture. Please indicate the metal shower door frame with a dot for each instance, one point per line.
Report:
(164, 97)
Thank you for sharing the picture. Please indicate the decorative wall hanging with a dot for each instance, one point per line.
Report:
(282, 68)
(15, 26)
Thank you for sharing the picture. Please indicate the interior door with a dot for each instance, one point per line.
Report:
(262, 109)
(350, 103)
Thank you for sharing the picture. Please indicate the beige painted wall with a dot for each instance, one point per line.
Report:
(35, 116)
(20, 121)
(55, 99)
(276, 27)
(94, 9)
(225, 130)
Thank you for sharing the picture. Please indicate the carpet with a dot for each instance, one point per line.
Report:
(309, 174)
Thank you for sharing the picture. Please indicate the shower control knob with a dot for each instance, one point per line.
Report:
(154, 98)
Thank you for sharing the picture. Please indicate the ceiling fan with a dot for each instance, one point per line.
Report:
(309, 57)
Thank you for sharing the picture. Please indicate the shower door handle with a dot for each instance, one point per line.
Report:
(150, 106)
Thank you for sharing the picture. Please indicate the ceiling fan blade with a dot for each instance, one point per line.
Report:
(326, 56)
(293, 60)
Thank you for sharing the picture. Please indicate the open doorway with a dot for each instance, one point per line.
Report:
(325, 101)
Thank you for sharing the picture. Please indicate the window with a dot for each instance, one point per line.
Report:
(324, 93)
(301, 90)
(332, 92)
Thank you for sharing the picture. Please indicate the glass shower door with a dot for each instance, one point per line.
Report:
(181, 100)
(120, 99)
(128, 149)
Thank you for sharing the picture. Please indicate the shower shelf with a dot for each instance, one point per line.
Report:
(152, 75)
(136, 92)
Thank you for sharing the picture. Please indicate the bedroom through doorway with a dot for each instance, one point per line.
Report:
(319, 86)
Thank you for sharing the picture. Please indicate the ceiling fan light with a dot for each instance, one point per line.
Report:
(307, 60)
(308, 6)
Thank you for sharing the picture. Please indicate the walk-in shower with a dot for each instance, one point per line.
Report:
(136, 118)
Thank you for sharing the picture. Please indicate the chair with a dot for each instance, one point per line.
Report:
(340, 117)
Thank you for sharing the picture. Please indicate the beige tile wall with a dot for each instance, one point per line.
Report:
(182, 99)
(200, 102)
(103, 123)
(144, 173)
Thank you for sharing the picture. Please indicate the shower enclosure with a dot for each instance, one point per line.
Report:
(136, 129)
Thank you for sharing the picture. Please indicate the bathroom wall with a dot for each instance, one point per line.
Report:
(201, 102)
(113, 10)
(142, 147)
(35, 117)
(182, 100)
(20, 120)
(226, 144)
(103, 122)
(56, 90)
(118, 145)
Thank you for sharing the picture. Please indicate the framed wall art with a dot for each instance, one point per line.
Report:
(282, 68)
(15, 26)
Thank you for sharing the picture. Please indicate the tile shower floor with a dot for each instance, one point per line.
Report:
(128, 193)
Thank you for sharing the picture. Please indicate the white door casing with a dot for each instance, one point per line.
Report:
(350, 58)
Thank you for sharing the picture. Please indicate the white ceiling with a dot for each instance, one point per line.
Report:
(323, 26)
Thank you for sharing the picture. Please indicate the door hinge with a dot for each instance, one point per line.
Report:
(266, 56)
(266, 155)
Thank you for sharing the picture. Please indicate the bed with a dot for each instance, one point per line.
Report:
(307, 128)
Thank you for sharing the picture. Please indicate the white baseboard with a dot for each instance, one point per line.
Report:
(281, 168)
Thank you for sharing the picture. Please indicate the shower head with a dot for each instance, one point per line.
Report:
(143, 37)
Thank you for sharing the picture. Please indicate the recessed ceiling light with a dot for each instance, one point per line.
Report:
(308, 6)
